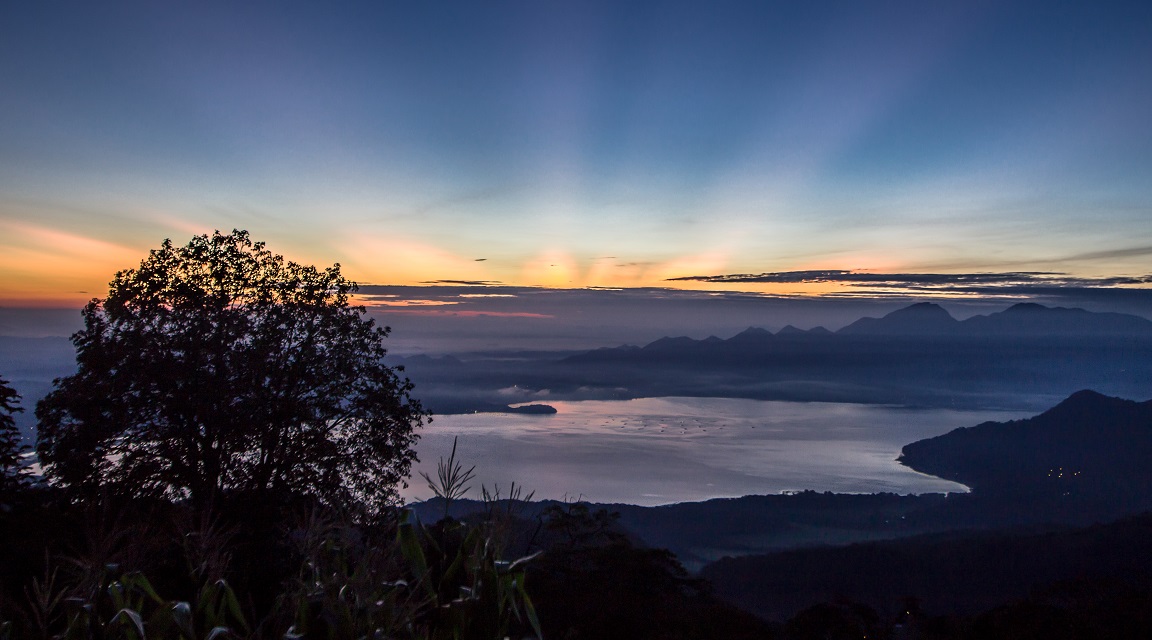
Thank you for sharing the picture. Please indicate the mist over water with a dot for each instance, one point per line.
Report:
(652, 451)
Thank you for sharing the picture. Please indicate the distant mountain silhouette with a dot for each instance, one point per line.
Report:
(750, 336)
(921, 319)
(1089, 444)
(672, 344)
(790, 331)
(1024, 319)
(1028, 318)
(926, 320)
(1026, 357)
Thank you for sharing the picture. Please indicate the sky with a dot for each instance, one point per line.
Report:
(785, 148)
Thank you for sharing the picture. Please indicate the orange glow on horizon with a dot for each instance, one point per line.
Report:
(402, 261)
(49, 268)
(559, 270)
(552, 269)
(45, 268)
(372, 301)
(789, 289)
(462, 313)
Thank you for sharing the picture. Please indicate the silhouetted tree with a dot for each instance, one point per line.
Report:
(13, 471)
(220, 367)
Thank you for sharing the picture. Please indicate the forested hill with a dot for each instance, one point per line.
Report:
(1069, 573)
(1089, 445)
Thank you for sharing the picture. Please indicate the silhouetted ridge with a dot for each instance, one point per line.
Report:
(1088, 445)
(1087, 404)
(751, 335)
(958, 573)
(1021, 357)
(670, 344)
(923, 318)
(1031, 319)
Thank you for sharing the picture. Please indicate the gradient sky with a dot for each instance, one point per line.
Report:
(578, 144)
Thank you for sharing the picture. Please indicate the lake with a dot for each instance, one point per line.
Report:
(652, 451)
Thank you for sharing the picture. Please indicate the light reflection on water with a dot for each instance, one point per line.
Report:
(660, 450)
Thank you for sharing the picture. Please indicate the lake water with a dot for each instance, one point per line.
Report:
(652, 451)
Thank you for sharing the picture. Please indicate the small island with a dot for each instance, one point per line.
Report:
(533, 409)
(459, 407)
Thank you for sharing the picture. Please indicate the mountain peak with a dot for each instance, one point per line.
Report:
(1086, 395)
(669, 343)
(1031, 319)
(1026, 307)
(922, 309)
(1088, 402)
(922, 318)
(752, 333)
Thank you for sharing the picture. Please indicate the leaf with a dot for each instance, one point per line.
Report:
(181, 613)
(530, 609)
(136, 581)
(412, 552)
(132, 616)
(117, 592)
(454, 569)
(233, 605)
(519, 561)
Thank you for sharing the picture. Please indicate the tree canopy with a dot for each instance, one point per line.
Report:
(13, 471)
(221, 367)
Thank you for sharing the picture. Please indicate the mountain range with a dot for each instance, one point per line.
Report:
(1025, 320)
(1027, 356)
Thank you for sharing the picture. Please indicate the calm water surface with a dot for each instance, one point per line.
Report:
(659, 450)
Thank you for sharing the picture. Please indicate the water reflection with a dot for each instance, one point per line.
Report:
(659, 450)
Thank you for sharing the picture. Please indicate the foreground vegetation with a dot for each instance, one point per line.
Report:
(276, 569)
(292, 568)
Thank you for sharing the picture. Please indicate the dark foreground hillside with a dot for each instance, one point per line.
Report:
(1041, 573)
(959, 573)
(1089, 446)
(263, 568)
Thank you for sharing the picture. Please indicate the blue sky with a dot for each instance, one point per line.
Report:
(577, 144)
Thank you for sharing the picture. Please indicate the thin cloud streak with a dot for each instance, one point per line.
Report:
(1014, 282)
(1132, 252)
